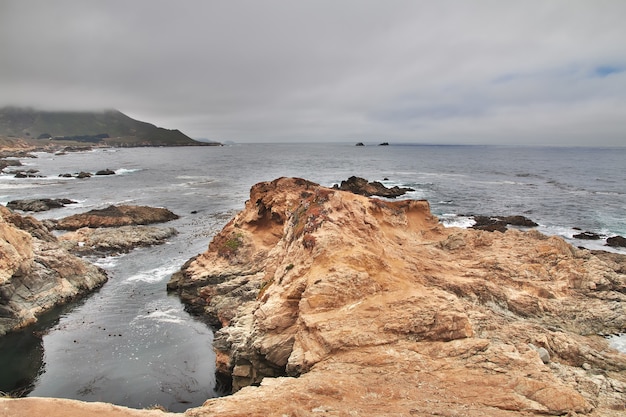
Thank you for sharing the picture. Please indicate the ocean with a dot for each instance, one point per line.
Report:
(132, 344)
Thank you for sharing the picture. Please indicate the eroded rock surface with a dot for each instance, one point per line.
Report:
(36, 273)
(357, 305)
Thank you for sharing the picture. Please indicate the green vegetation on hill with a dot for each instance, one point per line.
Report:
(109, 127)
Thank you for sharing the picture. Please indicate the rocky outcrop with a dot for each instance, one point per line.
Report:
(331, 303)
(114, 241)
(39, 204)
(36, 273)
(616, 241)
(500, 223)
(341, 304)
(115, 216)
(361, 186)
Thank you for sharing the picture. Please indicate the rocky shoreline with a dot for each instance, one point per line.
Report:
(340, 302)
(39, 271)
(326, 301)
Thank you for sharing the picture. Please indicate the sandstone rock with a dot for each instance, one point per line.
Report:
(115, 216)
(363, 187)
(107, 241)
(332, 300)
(39, 204)
(36, 273)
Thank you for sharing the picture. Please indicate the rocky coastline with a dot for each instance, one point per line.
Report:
(326, 301)
(342, 302)
(36, 272)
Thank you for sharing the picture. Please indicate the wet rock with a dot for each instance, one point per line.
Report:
(39, 204)
(361, 186)
(83, 174)
(105, 172)
(587, 236)
(500, 223)
(616, 241)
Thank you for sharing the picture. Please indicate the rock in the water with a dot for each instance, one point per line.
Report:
(114, 240)
(105, 172)
(115, 216)
(83, 174)
(587, 236)
(500, 223)
(39, 204)
(361, 186)
(616, 241)
(36, 273)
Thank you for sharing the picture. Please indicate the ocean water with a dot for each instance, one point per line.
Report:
(132, 344)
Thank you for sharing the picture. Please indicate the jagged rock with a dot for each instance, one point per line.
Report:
(363, 187)
(83, 174)
(116, 240)
(115, 216)
(36, 273)
(39, 204)
(616, 241)
(363, 306)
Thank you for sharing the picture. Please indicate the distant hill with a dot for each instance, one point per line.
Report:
(110, 127)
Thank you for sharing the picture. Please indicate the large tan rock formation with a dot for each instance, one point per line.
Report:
(336, 304)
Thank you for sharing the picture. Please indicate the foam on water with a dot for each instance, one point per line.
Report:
(155, 274)
(454, 220)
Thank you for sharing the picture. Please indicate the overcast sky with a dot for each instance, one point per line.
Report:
(507, 72)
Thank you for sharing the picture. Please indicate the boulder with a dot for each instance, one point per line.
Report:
(500, 223)
(105, 172)
(39, 204)
(83, 174)
(616, 241)
(332, 302)
(115, 216)
(363, 187)
(36, 273)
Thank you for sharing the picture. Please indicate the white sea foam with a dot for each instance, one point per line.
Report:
(126, 171)
(171, 315)
(454, 220)
(155, 274)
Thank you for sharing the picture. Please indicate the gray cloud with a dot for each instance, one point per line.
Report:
(406, 71)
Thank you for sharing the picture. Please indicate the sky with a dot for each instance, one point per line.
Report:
(439, 72)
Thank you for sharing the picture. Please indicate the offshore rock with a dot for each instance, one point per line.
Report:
(363, 187)
(115, 216)
(333, 302)
(114, 241)
(39, 204)
(36, 273)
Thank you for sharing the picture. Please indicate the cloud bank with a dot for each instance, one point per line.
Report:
(490, 72)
